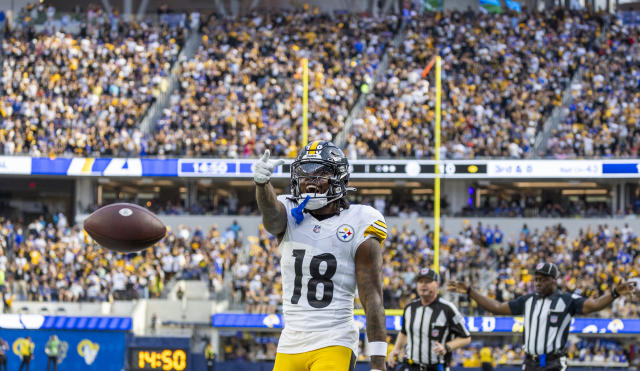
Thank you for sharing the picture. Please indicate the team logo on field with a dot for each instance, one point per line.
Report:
(316, 229)
(345, 233)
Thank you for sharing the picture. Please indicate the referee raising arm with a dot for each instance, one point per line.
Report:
(432, 328)
(547, 315)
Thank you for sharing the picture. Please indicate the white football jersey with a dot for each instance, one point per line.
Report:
(319, 276)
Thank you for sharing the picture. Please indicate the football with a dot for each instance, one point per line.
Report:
(125, 227)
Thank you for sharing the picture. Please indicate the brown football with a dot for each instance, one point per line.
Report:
(125, 227)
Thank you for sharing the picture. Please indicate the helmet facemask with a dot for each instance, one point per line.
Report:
(319, 172)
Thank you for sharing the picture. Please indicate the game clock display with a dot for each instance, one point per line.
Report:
(158, 359)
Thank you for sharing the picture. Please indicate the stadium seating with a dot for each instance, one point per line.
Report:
(499, 85)
(56, 262)
(85, 94)
(241, 92)
(603, 121)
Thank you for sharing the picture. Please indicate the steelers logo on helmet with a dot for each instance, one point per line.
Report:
(318, 162)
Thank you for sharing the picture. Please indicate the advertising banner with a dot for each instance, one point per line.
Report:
(360, 169)
(474, 324)
(79, 350)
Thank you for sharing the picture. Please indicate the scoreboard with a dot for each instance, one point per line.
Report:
(167, 359)
(159, 353)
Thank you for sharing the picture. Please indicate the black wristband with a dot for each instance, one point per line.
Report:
(469, 291)
(614, 293)
(447, 348)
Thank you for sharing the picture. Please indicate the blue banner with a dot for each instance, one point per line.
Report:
(620, 168)
(87, 323)
(474, 324)
(159, 167)
(80, 350)
(47, 166)
(40, 322)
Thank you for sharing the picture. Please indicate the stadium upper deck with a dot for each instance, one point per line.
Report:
(86, 94)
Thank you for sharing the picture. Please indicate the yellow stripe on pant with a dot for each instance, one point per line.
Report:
(333, 358)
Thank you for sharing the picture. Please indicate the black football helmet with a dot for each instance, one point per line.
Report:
(322, 159)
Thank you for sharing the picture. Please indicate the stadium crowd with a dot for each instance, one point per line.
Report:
(603, 120)
(85, 94)
(590, 262)
(241, 92)
(51, 260)
(499, 84)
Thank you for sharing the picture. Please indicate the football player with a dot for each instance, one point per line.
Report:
(329, 248)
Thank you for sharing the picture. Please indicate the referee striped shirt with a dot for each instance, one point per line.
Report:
(546, 320)
(439, 321)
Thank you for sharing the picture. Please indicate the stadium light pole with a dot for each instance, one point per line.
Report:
(436, 191)
(437, 61)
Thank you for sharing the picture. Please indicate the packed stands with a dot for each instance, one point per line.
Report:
(83, 94)
(603, 119)
(41, 262)
(50, 260)
(599, 255)
(499, 85)
(242, 91)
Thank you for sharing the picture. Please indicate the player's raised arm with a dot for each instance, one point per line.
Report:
(274, 213)
(487, 303)
(369, 279)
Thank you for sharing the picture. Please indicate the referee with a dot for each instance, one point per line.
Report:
(547, 315)
(432, 328)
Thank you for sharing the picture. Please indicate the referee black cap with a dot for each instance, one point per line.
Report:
(428, 273)
(548, 269)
